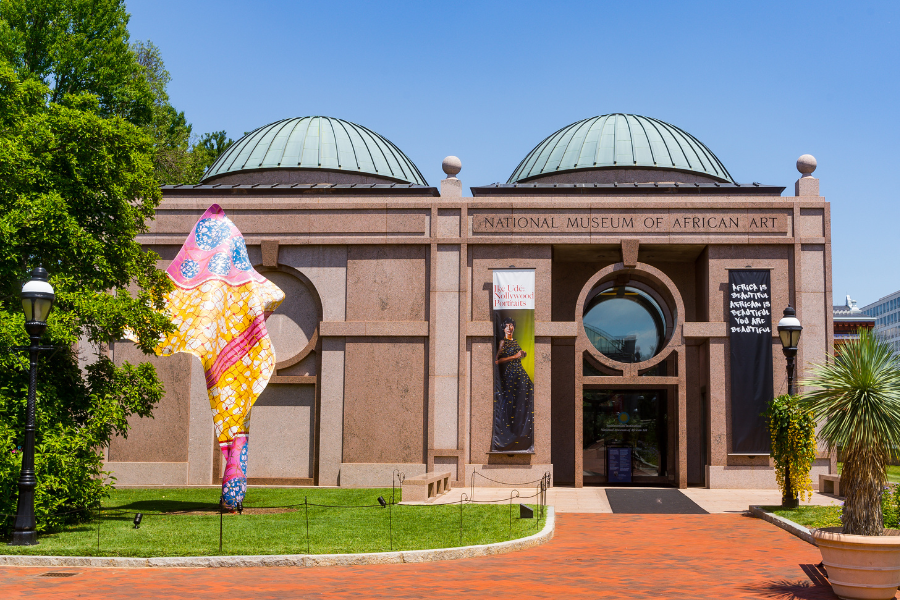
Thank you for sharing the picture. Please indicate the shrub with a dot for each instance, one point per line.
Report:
(793, 432)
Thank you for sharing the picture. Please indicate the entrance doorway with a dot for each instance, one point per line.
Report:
(625, 436)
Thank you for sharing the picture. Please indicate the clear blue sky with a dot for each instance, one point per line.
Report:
(760, 83)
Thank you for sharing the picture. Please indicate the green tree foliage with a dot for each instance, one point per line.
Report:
(179, 157)
(173, 160)
(210, 147)
(76, 187)
(76, 46)
(82, 46)
(858, 397)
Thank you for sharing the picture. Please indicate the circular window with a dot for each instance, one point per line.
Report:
(292, 325)
(625, 324)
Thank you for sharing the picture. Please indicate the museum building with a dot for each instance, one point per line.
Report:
(651, 267)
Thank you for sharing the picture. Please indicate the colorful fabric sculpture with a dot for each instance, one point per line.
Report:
(220, 305)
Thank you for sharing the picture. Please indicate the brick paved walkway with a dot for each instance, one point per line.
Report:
(592, 556)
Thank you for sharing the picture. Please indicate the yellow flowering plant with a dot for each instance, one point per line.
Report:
(793, 431)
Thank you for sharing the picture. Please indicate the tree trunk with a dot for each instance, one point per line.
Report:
(862, 481)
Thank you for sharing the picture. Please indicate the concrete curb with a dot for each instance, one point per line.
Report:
(292, 560)
(793, 528)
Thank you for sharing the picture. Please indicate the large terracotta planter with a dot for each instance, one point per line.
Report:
(861, 566)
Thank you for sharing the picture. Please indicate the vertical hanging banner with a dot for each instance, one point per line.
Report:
(513, 303)
(750, 330)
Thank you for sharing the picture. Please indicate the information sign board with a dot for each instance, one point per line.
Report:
(618, 464)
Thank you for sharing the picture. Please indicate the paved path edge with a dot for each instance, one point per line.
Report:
(292, 560)
(793, 528)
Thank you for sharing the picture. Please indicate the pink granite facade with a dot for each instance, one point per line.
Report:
(384, 342)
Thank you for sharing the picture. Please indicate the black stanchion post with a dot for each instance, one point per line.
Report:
(461, 502)
(516, 492)
(306, 508)
(543, 493)
(98, 528)
(221, 527)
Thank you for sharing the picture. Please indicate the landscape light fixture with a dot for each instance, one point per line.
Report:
(37, 302)
(789, 330)
(137, 520)
(382, 502)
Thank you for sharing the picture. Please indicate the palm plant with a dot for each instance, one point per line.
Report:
(858, 397)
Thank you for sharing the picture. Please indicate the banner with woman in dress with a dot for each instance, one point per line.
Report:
(513, 304)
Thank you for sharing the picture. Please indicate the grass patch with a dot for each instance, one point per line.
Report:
(811, 517)
(348, 524)
(893, 472)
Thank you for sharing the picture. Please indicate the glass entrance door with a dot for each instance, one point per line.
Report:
(625, 436)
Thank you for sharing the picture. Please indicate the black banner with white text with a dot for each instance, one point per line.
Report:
(750, 332)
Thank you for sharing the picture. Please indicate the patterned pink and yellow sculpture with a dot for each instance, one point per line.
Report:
(220, 305)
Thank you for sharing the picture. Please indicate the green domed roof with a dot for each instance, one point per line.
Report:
(620, 141)
(317, 143)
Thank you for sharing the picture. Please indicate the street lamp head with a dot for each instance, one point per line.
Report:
(789, 330)
(37, 301)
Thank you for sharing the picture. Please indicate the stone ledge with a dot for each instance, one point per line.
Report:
(555, 329)
(8, 560)
(793, 528)
(699, 329)
(373, 328)
(292, 560)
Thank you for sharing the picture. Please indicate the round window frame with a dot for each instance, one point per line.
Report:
(650, 280)
(666, 312)
(314, 293)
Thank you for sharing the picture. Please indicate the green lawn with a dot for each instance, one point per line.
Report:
(346, 525)
(893, 472)
(810, 516)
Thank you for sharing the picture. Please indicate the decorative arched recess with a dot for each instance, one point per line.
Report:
(283, 430)
(294, 327)
(634, 375)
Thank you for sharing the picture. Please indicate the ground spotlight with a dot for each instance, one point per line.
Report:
(382, 502)
(137, 520)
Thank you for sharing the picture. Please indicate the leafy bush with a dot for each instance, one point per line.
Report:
(793, 432)
(890, 506)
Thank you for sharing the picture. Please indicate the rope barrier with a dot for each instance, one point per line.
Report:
(523, 483)
(183, 512)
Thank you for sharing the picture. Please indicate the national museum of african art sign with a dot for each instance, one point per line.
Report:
(623, 220)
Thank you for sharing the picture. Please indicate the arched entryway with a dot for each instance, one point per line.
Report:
(629, 379)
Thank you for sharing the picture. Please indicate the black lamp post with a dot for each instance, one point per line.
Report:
(37, 301)
(789, 330)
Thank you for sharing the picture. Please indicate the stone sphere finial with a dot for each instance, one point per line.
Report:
(451, 166)
(806, 164)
